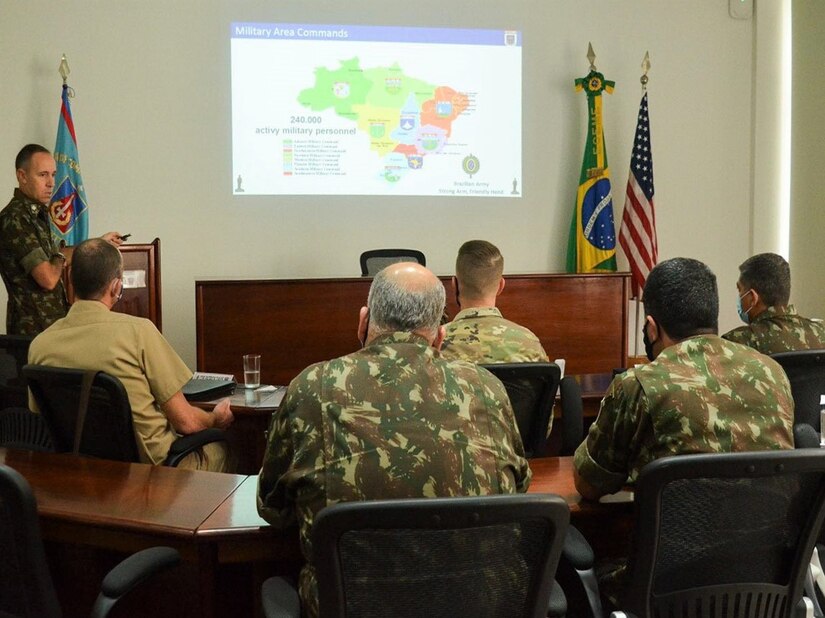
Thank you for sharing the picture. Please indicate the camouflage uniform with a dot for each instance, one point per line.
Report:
(26, 240)
(774, 331)
(481, 335)
(702, 395)
(392, 420)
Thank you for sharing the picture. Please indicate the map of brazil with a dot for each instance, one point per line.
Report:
(375, 110)
(405, 118)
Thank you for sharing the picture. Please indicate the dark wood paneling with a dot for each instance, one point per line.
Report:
(293, 323)
(142, 302)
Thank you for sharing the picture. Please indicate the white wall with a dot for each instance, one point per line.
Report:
(807, 160)
(152, 118)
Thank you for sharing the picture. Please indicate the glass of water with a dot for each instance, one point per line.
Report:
(252, 370)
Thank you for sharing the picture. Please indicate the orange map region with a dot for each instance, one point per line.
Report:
(407, 149)
(443, 93)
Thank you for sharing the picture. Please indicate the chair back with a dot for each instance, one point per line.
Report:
(107, 430)
(806, 373)
(532, 390)
(21, 428)
(375, 260)
(725, 535)
(26, 588)
(14, 353)
(468, 556)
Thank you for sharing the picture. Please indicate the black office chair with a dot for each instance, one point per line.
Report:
(725, 535)
(26, 588)
(23, 429)
(532, 390)
(806, 373)
(572, 415)
(375, 260)
(472, 556)
(14, 352)
(106, 431)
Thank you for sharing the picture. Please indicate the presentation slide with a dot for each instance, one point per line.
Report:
(368, 110)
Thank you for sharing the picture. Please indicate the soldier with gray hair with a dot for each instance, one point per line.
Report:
(772, 324)
(699, 394)
(392, 420)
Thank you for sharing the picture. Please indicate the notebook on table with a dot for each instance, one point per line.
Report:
(206, 386)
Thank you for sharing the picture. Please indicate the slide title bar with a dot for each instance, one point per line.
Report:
(393, 34)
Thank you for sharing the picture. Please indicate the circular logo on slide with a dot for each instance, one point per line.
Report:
(470, 165)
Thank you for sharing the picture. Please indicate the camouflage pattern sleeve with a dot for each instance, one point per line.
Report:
(275, 502)
(604, 458)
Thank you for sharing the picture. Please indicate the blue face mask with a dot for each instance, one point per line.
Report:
(743, 315)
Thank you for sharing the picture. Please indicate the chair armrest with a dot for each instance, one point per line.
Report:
(572, 422)
(186, 444)
(577, 550)
(558, 602)
(805, 436)
(280, 599)
(130, 573)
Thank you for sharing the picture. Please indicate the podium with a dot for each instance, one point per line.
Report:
(141, 281)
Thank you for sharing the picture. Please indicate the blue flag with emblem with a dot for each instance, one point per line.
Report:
(68, 209)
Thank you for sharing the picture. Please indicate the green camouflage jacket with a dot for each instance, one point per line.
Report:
(774, 332)
(26, 240)
(393, 420)
(482, 335)
(701, 395)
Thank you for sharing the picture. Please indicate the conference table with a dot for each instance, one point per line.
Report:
(93, 512)
(253, 412)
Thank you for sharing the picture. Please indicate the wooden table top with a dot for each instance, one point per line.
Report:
(125, 496)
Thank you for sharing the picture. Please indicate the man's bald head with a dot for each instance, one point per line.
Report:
(406, 297)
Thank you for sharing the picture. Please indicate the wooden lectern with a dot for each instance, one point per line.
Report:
(141, 281)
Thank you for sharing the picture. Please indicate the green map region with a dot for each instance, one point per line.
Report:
(405, 118)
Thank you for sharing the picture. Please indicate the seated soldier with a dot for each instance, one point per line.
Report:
(392, 420)
(764, 289)
(92, 336)
(479, 333)
(699, 394)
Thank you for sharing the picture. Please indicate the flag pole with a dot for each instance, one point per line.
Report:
(643, 80)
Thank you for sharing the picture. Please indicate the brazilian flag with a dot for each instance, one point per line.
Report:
(592, 245)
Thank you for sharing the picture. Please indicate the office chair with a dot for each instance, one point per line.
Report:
(806, 373)
(14, 353)
(572, 415)
(470, 556)
(725, 534)
(375, 260)
(105, 430)
(532, 390)
(23, 429)
(26, 588)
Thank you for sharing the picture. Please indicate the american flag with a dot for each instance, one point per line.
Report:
(638, 232)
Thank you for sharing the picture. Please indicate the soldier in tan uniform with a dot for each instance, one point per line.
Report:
(31, 263)
(392, 420)
(479, 333)
(773, 325)
(699, 394)
(92, 336)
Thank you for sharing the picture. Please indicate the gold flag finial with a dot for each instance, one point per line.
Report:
(64, 69)
(645, 69)
(591, 56)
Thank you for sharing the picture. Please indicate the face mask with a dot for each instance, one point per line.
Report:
(648, 344)
(743, 315)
